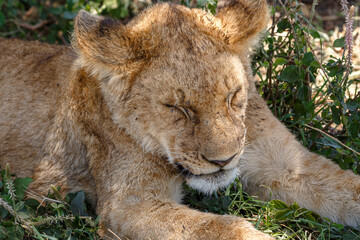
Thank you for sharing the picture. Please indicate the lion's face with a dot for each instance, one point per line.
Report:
(173, 80)
(192, 115)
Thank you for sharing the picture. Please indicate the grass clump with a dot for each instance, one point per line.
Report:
(274, 217)
(41, 217)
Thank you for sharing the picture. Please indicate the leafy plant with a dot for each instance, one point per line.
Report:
(308, 93)
(52, 218)
(275, 217)
(53, 21)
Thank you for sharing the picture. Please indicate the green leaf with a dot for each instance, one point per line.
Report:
(20, 186)
(280, 61)
(19, 206)
(23, 215)
(309, 216)
(2, 19)
(226, 201)
(353, 129)
(211, 5)
(290, 74)
(278, 204)
(315, 64)
(56, 192)
(266, 64)
(303, 93)
(283, 214)
(33, 203)
(110, 4)
(353, 106)
(3, 212)
(294, 206)
(314, 34)
(308, 59)
(16, 232)
(37, 233)
(78, 204)
(338, 226)
(54, 205)
(329, 142)
(69, 15)
(340, 42)
(283, 25)
(335, 115)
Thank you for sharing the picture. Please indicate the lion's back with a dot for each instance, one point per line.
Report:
(32, 76)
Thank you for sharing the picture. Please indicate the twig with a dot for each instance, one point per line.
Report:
(312, 14)
(328, 135)
(307, 38)
(33, 27)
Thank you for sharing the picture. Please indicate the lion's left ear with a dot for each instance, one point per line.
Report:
(103, 41)
(242, 21)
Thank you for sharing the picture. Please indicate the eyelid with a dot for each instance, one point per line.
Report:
(231, 97)
(185, 111)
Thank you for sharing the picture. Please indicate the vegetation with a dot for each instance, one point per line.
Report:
(313, 94)
(40, 217)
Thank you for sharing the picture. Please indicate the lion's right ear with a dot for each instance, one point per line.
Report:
(242, 21)
(101, 41)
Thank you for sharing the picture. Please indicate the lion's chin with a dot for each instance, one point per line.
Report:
(209, 183)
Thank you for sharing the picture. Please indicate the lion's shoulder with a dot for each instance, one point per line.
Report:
(19, 54)
(34, 61)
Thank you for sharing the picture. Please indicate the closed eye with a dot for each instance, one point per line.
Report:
(186, 112)
(236, 99)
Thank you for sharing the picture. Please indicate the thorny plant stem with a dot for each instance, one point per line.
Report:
(349, 22)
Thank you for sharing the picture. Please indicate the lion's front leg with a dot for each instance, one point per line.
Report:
(139, 201)
(161, 219)
(275, 165)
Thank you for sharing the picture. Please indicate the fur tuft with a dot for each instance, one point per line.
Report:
(210, 183)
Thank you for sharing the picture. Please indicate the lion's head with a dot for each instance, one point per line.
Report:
(175, 80)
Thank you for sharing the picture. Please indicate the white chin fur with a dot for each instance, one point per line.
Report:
(210, 183)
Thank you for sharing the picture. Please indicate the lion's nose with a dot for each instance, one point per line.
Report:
(221, 163)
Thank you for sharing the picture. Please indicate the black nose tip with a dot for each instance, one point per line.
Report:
(221, 163)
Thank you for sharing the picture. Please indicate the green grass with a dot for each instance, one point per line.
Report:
(42, 217)
(275, 217)
(51, 217)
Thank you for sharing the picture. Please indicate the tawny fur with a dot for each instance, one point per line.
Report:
(131, 112)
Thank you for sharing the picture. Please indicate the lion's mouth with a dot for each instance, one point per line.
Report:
(187, 173)
(184, 171)
(208, 183)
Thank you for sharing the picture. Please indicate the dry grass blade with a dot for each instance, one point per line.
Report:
(39, 197)
(115, 235)
(328, 135)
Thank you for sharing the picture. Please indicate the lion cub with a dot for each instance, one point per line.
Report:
(132, 111)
